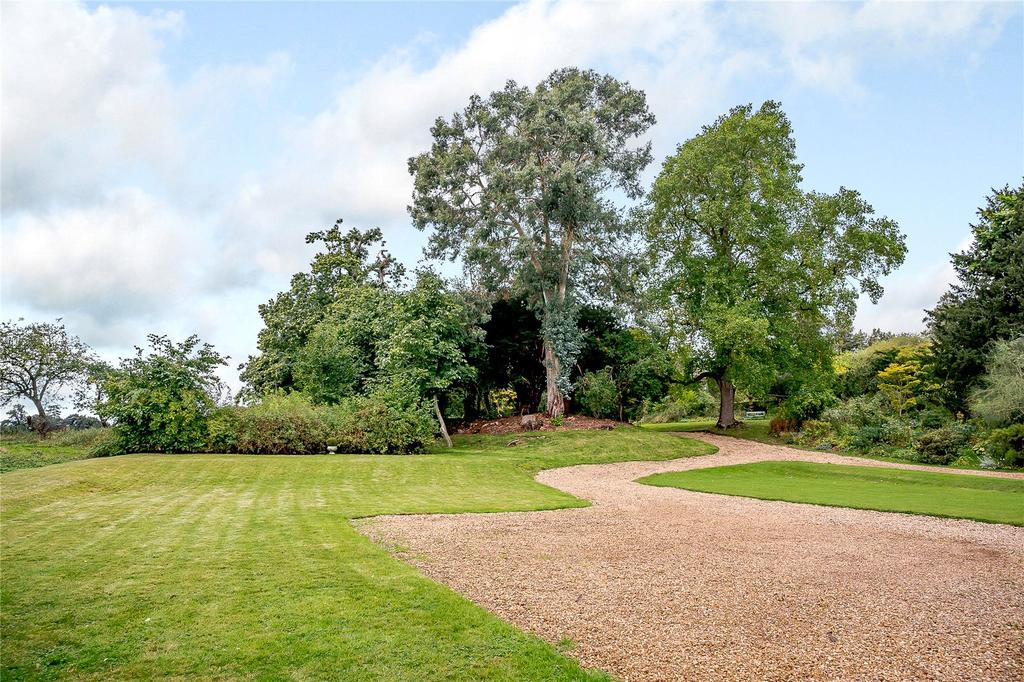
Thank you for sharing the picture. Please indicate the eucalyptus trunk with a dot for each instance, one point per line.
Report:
(552, 369)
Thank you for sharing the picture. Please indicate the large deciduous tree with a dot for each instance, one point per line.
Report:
(37, 360)
(756, 274)
(518, 185)
(986, 304)
(348, 258)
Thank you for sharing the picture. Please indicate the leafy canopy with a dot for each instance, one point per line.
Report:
(160, 401)
(347, 258)
(757, 275)
(37, 360)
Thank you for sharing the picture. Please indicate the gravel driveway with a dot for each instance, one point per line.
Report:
(656, 583)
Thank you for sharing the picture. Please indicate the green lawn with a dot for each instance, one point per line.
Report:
(994, 500)
(227, 567)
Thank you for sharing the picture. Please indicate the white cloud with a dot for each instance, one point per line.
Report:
(85, 95)
(124, 255)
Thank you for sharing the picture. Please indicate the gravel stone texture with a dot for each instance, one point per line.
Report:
(662, 584)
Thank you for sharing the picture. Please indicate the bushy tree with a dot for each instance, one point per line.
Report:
(347, 258)
(426, 349)
(999, 399)
(37, 361)
(986, 304)
(160, 401)
(756, 275)
(519, 186)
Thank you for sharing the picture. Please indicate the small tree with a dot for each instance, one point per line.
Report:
(37, 361)
(756, 275)
(900, 383)
(517, 185)
(160, 401)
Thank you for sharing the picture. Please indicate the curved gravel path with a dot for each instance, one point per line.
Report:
(655, 583)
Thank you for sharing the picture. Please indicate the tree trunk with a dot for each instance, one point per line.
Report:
(726, 407)
(440, 420)
(552, 367)
(41, 423)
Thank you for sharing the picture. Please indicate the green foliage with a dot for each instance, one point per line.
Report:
(986, 304)
(519, 185)
(1000, 397)
(426, 339)
(899, 383)
(942, 445)
(857, 370)
(809, 401)
(160, 401)
(289, 423)
(597, 395)
(503, 401)
(638, 363)
(1005, 445)
(756, 275)
(685, 402)
(347, 260)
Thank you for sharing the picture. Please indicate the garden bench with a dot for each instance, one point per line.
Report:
(755, 414)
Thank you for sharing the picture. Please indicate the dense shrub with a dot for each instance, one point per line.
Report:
(1005, 446)
(814, 432)
(596, 394)
(807, 403)
(375, 426)
(292, 424)
(502, 401)
(942, 445)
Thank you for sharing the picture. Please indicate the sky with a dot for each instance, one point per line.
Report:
(160, 163)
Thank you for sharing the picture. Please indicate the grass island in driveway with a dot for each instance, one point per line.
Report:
(980, 498)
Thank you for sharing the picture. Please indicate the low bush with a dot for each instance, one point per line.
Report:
(942, 445)
(503, 401)
(780, 425)
(372, 425)
(815, 433)
(1005, 446)
(807, 403)
(689, 403)
(292, 424)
